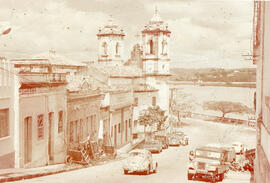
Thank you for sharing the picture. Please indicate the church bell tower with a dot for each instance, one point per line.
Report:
(155, 43)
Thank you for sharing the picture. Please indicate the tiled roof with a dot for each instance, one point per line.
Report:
(57, 59)
(144, 88)
(118, 71)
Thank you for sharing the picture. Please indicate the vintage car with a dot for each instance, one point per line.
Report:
(183, 138)
(154, 146)
(174, 140)
(163, 139)
(140, 161)
(207, 162)
(230, 155)
(238, 147)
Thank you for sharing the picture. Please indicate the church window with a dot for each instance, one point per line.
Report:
(117, 48)
(164, 43)
(104, 45)
(151, 46)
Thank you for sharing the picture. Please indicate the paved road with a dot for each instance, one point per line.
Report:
(172, 162)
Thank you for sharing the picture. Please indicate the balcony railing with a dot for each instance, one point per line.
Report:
(49, 78)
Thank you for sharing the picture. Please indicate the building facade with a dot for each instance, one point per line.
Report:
(42, 120)
(121, 117)
(7, 114)
(156, 60)
(261, 57)
(83, 116)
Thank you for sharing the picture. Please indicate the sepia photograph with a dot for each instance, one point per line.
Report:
(137, 91)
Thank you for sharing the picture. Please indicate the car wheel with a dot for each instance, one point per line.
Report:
(125, 172)
(221, 177)
(190, 176)
(147, 172)
(155, 170)
(68, 160)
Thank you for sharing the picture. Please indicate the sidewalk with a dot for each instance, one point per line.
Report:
(15, 174)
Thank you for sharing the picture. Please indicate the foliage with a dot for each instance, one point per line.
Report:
(227, 107)
(182, 103)
(153, 115)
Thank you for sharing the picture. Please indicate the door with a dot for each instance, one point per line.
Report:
(115, 135)
(27, 140)
(126, 130)
(50, 144)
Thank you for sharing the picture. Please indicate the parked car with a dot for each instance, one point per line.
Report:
(174, 141)
(207, 162)
(238, 147)
(140, 161)
(230, 155)
(163, 140)
(154, 146)
(183, 138)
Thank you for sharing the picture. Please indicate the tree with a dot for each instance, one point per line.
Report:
(226, 107)
(152, 115)
(181, 103)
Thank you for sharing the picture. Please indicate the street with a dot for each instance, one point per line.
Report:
(172, 161)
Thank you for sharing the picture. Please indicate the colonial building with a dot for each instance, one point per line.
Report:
(8, 113)
(83, 115)
(110, 49)
(42, 115)
(261, 57)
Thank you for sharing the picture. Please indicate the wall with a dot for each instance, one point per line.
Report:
(144, 101)
(120, 112)
(262, 166)
(32, 105)
(7, 154)
(111, 49)
(83, 108)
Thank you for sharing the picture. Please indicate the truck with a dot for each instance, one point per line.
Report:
(207, 162)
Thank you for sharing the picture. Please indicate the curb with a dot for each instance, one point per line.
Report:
(18, 176)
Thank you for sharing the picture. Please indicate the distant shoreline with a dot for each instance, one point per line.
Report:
(218, 84)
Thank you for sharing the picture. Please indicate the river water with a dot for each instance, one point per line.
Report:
(215, 93)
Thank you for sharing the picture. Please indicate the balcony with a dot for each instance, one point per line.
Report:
(45, 78)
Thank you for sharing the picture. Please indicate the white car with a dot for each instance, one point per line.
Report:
(140, 161)
(238, 147)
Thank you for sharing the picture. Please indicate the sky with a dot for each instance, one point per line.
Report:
(205, 33)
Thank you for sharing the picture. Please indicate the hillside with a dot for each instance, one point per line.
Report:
(214, 75)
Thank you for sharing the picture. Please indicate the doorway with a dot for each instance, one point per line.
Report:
(51, 129)
(115, 136)
(27, 140)
(126, 131)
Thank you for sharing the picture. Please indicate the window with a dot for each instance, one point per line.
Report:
(117, 49)
(119, 128)
(104, 45)
(129, 122)
(4, 123)
(81, 129)
(154, 101)
(112, 132)
(71, 131)
(60, 121)
(151, 46)
(40, 125)
(136, 101)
